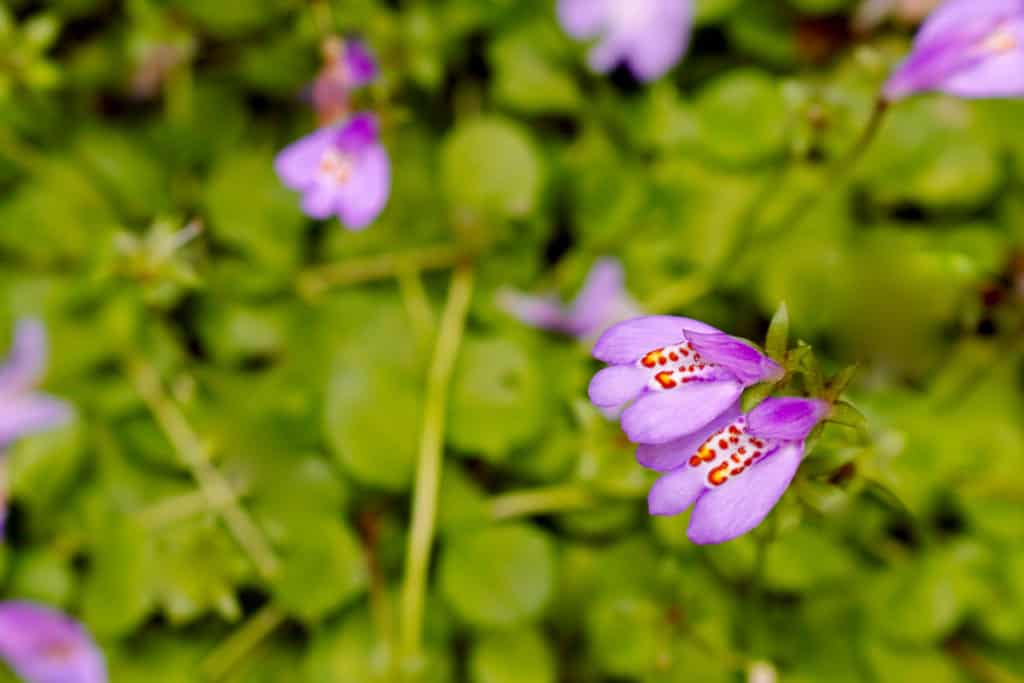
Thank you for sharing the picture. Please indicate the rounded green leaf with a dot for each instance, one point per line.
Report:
(520, 656)
(323, 570)
(489, 167)
(499, 400)
(498, 577)
(742, 116)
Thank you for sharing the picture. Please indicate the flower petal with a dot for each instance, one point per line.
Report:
(743, 502)
(663, 416)
(582, 18)
(599, 298)
(616, 385)
(749, 365)
(544, 312)
(786, 418)
(23, 415)
(297, 164)
(365, 195)
(357, 134)
(662, 41)
(607, 54)
(668, 456)
(320, 201)
(958, 16)
(42, 645)
(675, 491)
(27, 358)
(629, 340)
(360, 66)
(998, 76)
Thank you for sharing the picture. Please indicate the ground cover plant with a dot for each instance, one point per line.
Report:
(511, 341)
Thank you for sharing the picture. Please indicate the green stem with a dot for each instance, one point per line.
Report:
(243, 641)
(688, 289)
(173, 509)
(540, 501)
(428, 471)
(417, 305)
(218, 492)
(313, 282)
(835, 175)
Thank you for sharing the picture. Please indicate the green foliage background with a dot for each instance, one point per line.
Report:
(297, 352)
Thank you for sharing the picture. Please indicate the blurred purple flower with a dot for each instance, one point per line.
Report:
(966, 48)
(341, 170)
(44, 646)
(734, 470)
(603, 301)
(348, 65)
(649, 36)
(24, 411)
(683, 374)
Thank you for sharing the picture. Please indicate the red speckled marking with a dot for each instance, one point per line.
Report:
(674, 366)
(725, 453)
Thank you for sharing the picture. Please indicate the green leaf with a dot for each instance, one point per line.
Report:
(728, 132)
(322, 570)
(490, 168)
(845, 413)
(498, 398)
(520, 656)
(777, 342)
(348, 651)
(623, 634)
(373, 408)
(118, 591)
(756, 394)
(527, 76)
(251, 210)
(498, 577)
(199, 569)
(837, 385)
(43, 576)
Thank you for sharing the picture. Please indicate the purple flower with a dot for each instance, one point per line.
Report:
(734, 470)
(22, 410)
(649, 36)
(603, 301)
(44, 646)
(683, 374)
(967, 48)
(341, 170)
(348, 65)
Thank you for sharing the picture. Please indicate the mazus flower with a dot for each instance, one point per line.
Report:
(340, 170)
(603, 301)
(735, 469)
(44, 646)
(680, 374)
(23, 410)
(348, 65)
(966, 48)
(648, 36)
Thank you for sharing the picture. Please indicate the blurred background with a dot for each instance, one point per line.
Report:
(232, 500)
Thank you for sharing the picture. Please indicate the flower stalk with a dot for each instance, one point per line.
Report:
(194, 456)
(314, 282)
(430, 463)
(837, 173)
(540, 501)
